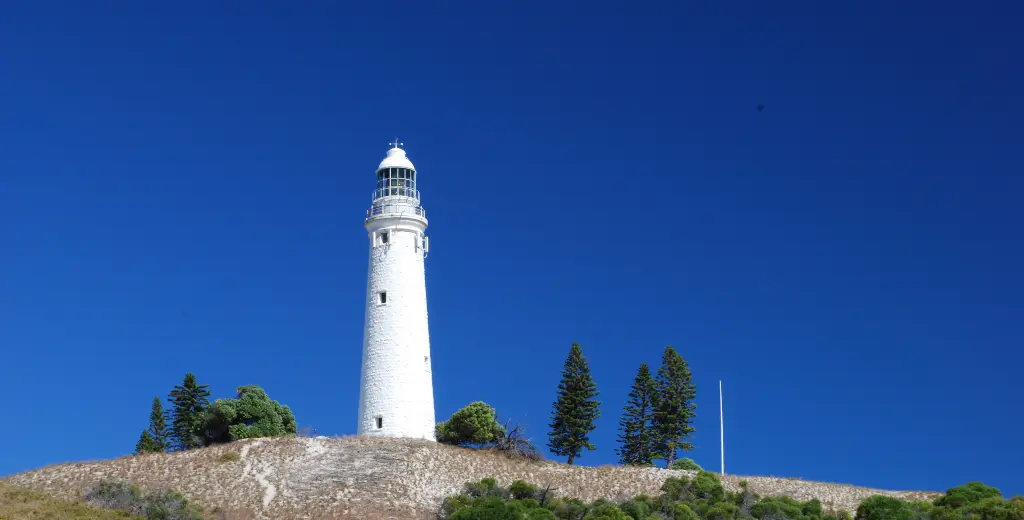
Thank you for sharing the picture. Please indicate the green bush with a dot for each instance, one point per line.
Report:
(682, 511)
(704, 498)
(722, 511)
(638, 508)
(707, 486)
(487, 487)
(880, 507)
(251, 414)
(992, 508)
(153, 505)
(520, 490)
(968, 493)
(686, 464)
(606, 512)
(474, 424)
(812, 507)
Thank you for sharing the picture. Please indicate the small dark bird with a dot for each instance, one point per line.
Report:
(760, 108)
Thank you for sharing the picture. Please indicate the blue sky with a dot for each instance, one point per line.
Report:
(182, 188)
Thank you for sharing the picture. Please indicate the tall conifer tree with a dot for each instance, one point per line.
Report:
(575, 409)
(158, 426)
(146, 443)
(674, 406)
(188, 402)
(636, 440)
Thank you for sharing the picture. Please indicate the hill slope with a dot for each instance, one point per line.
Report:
(23, 504)
(361, 477)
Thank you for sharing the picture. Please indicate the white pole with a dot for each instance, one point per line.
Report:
(721, 424)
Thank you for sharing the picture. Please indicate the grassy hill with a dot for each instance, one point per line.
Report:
(23, 504)
(366, 477)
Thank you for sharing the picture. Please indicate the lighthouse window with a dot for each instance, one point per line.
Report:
(382, 297)
(380, 422)
(384, 237)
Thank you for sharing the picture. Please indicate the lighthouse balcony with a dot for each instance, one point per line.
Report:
(394, 209)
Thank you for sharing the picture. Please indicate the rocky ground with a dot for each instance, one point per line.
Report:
(360, 477)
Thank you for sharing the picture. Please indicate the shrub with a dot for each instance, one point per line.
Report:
(776, 508)
(708, 487)
(521, 490)
(812, 507)
(251, 414)
(880, 507)
(686, 464)
(682, 511)
(153, 505)
(606, 512)
(474, 424)
(638, 508)
(484, 508)
(487, 487)
(968, 493)
(722, 511)
(513, 444)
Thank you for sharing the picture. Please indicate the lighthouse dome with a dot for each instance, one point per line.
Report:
(396, 159)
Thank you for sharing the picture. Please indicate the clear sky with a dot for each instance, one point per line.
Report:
(182, 188)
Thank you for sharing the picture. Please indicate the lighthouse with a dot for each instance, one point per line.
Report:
(396, 395)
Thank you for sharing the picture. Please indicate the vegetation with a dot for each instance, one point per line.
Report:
(635, 437)
(195, 422)
(151, 505)
(473, 425)
(156, 438)
(704, 498)
(686, 464)
(22, 504)
(229, 456)
(477, 426)
(189, 401)
(251, 414)
(673, 406)
(575, 408)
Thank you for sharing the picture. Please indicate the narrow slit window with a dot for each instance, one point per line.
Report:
(382, 297)
(384, 237)
(380, 422)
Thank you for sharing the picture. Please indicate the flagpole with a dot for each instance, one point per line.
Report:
(721, 424)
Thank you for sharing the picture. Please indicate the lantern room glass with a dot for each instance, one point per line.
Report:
(396, 182)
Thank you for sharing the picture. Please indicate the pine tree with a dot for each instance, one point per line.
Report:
(674, 394)
(158, 426)
(575, 409)
(146, 443)
(636, 439)
(188, 401)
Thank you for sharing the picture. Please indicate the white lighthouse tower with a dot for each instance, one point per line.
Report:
(396, 396)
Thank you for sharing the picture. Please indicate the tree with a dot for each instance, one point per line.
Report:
(635, 439)
(575, 409)
(146, 444)
(965, 494)
(674, 406)
(251, 414)
(158, 426)
(879, 507)
(474, 424)
(189, 401)
(686, 465)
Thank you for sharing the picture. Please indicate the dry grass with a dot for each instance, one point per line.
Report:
(229, 456)
(372, 477)
(24, 504)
